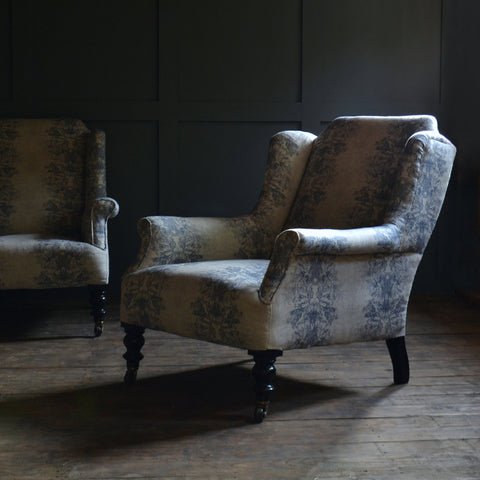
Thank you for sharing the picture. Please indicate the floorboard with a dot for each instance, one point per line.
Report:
(65, 414)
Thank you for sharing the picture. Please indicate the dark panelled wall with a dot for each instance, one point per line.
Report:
(462, 80)
(189, 92)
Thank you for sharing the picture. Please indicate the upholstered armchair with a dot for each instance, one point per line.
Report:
(327, 256)
(53, 208)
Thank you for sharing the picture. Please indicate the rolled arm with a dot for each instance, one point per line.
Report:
(168, 240)
(304, 242)
(102, 210)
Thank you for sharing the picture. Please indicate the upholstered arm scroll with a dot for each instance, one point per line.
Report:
(301, 242)
(102, 210)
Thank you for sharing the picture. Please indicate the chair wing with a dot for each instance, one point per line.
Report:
(328, 255)
(170, 240)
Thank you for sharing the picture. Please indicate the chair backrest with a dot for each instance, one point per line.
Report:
(367, 171)
(42, 176)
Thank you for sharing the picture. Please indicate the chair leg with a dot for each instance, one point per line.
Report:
(398, 354)
(264, 374)
(97, 301)
(134, 342)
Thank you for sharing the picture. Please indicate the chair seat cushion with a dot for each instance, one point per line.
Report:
(216, 301)
(36, 261)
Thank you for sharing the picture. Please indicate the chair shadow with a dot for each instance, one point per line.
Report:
(156, 409)
(34, 323)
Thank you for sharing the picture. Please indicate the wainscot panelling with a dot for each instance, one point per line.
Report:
(189, 92)
(240, 51)
(5, 52)
(462, 81)
(88, 50)
(372, 51)
(232, 159)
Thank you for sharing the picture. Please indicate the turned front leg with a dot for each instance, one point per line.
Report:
(97, 301)
(134, 342)
(264, 374)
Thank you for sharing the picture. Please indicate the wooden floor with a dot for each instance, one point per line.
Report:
(65, 414)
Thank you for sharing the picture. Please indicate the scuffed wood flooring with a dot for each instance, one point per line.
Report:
(65, 414)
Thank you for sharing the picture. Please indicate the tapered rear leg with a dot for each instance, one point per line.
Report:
(399, 356)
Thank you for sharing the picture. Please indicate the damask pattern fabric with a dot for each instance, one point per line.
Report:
(47, 161)
(352, 170)
(215, 301)
(341, 299)
(53, 204)
(328, 256)
(7, 172)
(36, 261)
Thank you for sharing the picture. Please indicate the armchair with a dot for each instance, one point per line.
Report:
(54, 209)
(327, 256)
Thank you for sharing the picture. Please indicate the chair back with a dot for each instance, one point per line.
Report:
(42, 176)
(367, 171)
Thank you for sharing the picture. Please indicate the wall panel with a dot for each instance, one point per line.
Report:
(365, 57)
(221, 166)
(86, 50)
(189, 92)
(5, 52)
(240, 51)
(373, 50)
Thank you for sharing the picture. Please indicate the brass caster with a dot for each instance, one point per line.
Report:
(260, 412)
(98, 329)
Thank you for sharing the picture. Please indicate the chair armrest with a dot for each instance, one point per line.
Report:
(102, 210)
(168, 239)
(317, 242)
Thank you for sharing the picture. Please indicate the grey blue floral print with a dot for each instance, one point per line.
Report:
(390, 277)
(64, 178)
(53, 205)
(314, 298)
(225, 286)
(7, 173)
(327, 256)
(319, 173)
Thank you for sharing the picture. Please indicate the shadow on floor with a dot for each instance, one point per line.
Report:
(155, 409)
(48, 315)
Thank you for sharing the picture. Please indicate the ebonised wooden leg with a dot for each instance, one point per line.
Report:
(398, 354)
(264, 374)
(134, 342)
(97, 301)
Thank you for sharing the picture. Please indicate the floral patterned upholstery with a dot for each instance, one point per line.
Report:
(328, 255)
(53, 205)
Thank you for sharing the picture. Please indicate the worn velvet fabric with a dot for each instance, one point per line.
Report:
(328, 255)
(53, 204)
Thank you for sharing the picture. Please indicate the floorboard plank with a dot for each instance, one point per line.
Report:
(65, 413)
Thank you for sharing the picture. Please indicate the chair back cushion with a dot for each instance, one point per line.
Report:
(42, 176)
(352, 171)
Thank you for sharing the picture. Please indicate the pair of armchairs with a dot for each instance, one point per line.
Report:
(327, 256)
(54, 209)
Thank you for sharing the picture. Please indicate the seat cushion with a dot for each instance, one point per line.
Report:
(35, 261)
(216, 301)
